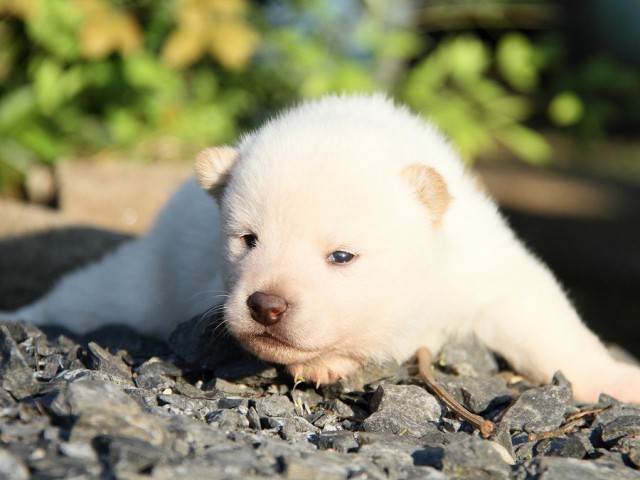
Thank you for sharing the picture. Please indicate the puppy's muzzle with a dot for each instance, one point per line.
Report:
(266, 308)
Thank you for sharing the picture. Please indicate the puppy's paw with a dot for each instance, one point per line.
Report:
(323, 371)
(620, 381)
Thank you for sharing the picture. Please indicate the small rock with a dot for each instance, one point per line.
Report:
(157, 367)
(322, 465)
(190, 406)
(232, 402)
(558, 468)
(12, 467)
(474, 458)
(99, 359)
(403, 409)
(223, 386)
(50, 366)
(127, 454)
(477, 393)
(538, 410)
(227, 419)
(16, 376)
(628, 425)
(339, 441)
(254, 419)
(273, 406)
(571, 447)
(21, 331)
(467, 357)
(89, 406)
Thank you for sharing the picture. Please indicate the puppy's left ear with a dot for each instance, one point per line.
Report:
(430, 188)
(213, 168)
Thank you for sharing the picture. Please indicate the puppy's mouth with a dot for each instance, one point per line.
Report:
(276, 349)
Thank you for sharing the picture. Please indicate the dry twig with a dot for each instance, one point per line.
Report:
(574, 420)
(425, 358)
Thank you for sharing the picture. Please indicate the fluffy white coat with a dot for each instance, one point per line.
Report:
(432, 257)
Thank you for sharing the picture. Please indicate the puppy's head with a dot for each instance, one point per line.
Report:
(331, 223)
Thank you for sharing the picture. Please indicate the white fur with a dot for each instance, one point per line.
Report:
(322, 177)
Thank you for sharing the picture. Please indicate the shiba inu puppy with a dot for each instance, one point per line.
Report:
(345, 231)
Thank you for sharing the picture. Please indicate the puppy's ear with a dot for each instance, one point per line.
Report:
(213, 168)
(430, 188)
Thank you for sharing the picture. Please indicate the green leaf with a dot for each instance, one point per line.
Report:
(516, 60)
(528, 144)
(16, 108)
(565, 109)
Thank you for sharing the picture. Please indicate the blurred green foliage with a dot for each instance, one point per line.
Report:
(162, 78)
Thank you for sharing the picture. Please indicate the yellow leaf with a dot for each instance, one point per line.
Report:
(106, 30)
(233, 44)
(96, 41)
(183, 47)
(19, 8)
(127, 34)
(92, 7)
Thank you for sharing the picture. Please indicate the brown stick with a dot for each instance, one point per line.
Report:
(574, 420)
(425, 358)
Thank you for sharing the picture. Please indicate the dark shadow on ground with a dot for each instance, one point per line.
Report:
(30, 265)
(598, 264)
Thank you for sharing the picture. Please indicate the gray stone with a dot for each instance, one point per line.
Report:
(340, 441)
(474, 458)
(16, 376)
(100, 359)
(127, 454)
(156, 383)
(52, 467)
(571, 447)
(254, 419)
(273, 406)
(6, 401)
(557, 468)
(12, 467)
(539, 409)
(190, 406)
(156, 374)
(628, 425)
(232, 402)
(227, 419)
(323, 465)
(21, 331)
(50, 366)
(477, 393)
(91, 407)
(225, 387)
(403, 409)
(156, 366)
(467, 357)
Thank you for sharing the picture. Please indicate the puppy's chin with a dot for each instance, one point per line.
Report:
(273, 349)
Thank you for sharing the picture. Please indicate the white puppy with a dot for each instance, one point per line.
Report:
(348, 231)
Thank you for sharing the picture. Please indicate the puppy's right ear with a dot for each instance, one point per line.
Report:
(213, 168)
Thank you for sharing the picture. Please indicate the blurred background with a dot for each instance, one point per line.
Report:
(542, 96)
(158, 79)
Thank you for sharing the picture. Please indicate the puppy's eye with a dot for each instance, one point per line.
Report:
(340, 257)
(250, 240)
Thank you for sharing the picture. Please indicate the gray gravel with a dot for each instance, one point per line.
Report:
(116, 405)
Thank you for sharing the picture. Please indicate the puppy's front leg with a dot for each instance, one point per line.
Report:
(533, 325)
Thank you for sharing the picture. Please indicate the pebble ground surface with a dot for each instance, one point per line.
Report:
(113, 405)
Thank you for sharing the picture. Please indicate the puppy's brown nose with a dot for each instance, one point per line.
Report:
(266, 308)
